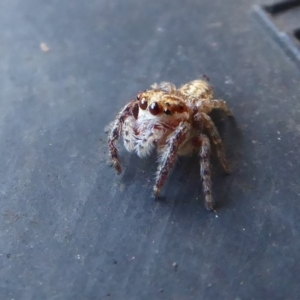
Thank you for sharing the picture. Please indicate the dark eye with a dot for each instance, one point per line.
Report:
(154, 108)
(143, 103)
(167, 111)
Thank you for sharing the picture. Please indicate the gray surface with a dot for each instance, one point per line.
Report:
(70, 227)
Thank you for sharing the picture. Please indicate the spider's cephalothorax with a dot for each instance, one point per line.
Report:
(174, 122)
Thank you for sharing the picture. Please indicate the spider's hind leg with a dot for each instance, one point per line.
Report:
(215, 137)
(208, 105)
(205, 173)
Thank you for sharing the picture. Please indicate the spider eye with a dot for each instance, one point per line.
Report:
(154, 108)
(167, 111)
(143, 103)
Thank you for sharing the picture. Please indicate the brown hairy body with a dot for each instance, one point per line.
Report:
(173, 121)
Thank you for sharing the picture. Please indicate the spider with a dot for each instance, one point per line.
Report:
(175, 122)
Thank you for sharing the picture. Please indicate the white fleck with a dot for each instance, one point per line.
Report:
(254, 142)
(228, 80)
(244, 229)
(215, 25)
(44, 47)
(78, 256)
(50, 144)
(279, 139)
(278, 132)
(132, 258)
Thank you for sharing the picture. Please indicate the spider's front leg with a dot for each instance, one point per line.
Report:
(169, 155)
(131, 109)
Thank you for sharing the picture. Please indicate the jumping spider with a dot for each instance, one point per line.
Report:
(173, 121)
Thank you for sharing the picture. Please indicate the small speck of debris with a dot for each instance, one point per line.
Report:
(244, 229)
(254, 142)
(228, 80)
(161, 290)
(215, 25)
(121, 187)
(8, 255)
(78, 256)
(279, 139)
(44, 47)
(175, 266)
(132, 258)
(115, 262)
(209, 285)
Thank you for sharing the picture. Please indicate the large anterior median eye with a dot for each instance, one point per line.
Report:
(143, 103)
(154, 108)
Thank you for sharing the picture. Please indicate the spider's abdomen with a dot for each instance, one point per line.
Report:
(197, 89)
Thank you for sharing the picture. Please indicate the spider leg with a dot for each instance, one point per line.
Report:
(169, 155)
(208, 105)
(131, 109)
(216, 139)
(204, 155)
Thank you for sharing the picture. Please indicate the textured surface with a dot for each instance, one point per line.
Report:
(283, 22)
(70, 227)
